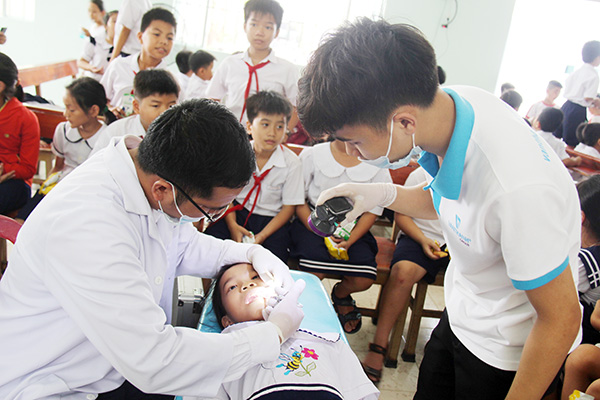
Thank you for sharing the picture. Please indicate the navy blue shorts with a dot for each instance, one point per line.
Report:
(409, 250)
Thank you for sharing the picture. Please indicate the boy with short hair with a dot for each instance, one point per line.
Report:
(156, 35)
(504, 334)
(265, 206)
(546, 123)
(155, 90)
(201, 65)
(183, 65)
(552, 92)
(243, 74)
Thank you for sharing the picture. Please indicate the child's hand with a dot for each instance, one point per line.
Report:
(86, 32)
(238, 232)
(341, 243)
(259, 238)
(430, 248)
(98, 70)
(7, 176)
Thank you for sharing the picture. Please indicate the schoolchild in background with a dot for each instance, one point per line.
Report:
(98, 49)
(182, 59)
(546, 123)
(97, 15)
(201, 65)
(128, 27)
(552, 92)
(589, 137)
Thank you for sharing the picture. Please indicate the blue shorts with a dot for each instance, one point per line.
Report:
(409, 250)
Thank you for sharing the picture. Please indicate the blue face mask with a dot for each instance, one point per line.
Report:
(181, 220)
(384, 161)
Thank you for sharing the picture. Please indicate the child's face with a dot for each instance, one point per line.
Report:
(110, 25)
(205, 73)
(267, 130)
(95, 14)
(553, 93)
(244, 294)
(157, 39)
(74, 113)
(152, 106)
(261, 30)
(594, 110)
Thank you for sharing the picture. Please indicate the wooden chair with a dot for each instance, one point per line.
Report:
(589, 165)
(35, 76)
(48, 118)
(9, 228)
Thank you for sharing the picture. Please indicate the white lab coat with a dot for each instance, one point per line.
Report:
(79, 303)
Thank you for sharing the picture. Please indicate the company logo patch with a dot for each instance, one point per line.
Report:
(455, 228)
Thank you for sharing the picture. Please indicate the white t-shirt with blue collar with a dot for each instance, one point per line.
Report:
(510, 226)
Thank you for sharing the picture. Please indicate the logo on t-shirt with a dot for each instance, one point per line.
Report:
(455, 228)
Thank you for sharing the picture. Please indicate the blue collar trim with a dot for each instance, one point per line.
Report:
(447, 179)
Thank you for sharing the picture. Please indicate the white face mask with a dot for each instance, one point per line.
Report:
(181, 220)
(384, 161)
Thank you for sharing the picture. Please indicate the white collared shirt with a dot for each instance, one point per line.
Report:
(582, 84)
(231, 78)
(131, 125)
(97, 53)
(283, 185)
(556, 144)
(68, 144)
(196, 88)
(183, 80)
(589, 150)
(130, 16)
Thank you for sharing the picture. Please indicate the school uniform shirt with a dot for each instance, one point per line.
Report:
(96, 30)
(196, 88)
(82, 306)
(282, 186)
(131, 125)
(430, 227)
(19, 140)
(68, 144)
(183, 80)
(589, 275)
(581, 84)
(595, 119)
(118, 78)
(536, 109)
(589, 150)
(97, 51)
(231, 78)
(130, 16)
(322, 171)
(502, 241)
(310, 366)
(555, 144)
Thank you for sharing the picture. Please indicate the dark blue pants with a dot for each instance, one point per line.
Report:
(574, 114)
(14, 193)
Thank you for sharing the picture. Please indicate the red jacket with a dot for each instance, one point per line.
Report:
(19, 140)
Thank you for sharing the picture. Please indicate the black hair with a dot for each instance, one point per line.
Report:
(158, 14)
(589, 198)
(108, 15)
(506, 86)
(264, 7)
(154, 81)
(99, 4)
(550, 119)
(200, 59)
(268, 102)
(9, 75)
(88, 92)
(198, 145)
(512, 98)
(588, 133)
(553, 84)
(441, 75)
(182, 59)
(590, 51)
(216, 296)
(362, 72)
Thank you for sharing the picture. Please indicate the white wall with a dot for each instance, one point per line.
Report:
(470, 50)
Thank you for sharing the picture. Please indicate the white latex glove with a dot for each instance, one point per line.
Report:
(287, 314)
(365, 196)
(270, 267)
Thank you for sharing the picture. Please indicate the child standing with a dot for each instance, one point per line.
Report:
(326, 165)
(156, 35)
(128, 27)
(182, 59)
(265, 206)
(154, 90)
(98, 49)
(201, 65)
(546, 123)
(552, 92)
(581, 89)
(589, 136)
(97, 15)
(256, 69)
(74, 139)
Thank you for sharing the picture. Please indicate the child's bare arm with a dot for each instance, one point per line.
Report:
(120, 42)
(59, 164)
(277, 222)
(363, 225)
(410, 229)
(303, 212)
(595, 317)
(236, 231)
(572, 161)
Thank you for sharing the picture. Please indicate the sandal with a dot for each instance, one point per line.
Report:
(373, 374)
(353, 315)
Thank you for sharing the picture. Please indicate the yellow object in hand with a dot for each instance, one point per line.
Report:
(440, 253)
(339, 253)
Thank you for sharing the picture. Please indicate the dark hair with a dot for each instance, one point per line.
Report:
(200, 59)
(362, 72)
(588, 133)
(158, 14)
(512, 98)
(506, 86)
(199, 145)
(182, 59)
(550, 119)
(553, 84)
(99, 4)
(268, 102)
(441, 75)
(88, 92)
(108, 15)
(154, 81)
(9, 75)
(264, 7)
(216, 297)
(590, 51)
(589, 198)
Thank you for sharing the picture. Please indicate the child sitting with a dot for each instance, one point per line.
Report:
(318, 364)
(156, 35)
(201, 65)
(155, 90)
(326, 165)
(552, 92)
(512, 98)
(182, 59)
(243, 74)
(589, 136)
(265, 206)
(98, 49)
(97, 15)
(546, 123)
(73, 141)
